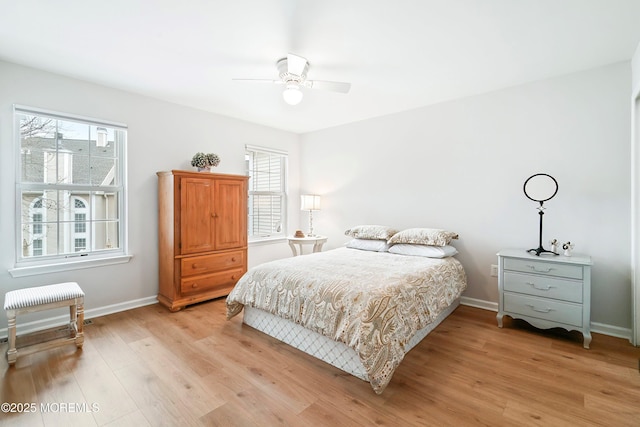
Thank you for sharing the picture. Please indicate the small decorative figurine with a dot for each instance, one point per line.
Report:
(554, 245)
(568, 247)
(299, 233)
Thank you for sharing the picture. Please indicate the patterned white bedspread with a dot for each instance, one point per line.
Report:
(373, 302)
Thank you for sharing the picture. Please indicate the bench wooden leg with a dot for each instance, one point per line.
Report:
(73, 319)
(12, 353)
(79, 309)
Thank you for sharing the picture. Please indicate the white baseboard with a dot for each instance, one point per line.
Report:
(52, 322)
(123, 306)
(614, 331)
(478, 303)
(599, 328)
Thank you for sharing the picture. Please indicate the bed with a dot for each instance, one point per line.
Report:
(358, 310)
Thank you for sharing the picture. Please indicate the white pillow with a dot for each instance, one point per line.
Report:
(369, 245)
(423, 250)
(373, 232)
(424, 236)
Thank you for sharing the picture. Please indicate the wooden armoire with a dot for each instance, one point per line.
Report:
(202, 235)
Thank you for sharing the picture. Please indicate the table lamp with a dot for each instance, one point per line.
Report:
(310, 202)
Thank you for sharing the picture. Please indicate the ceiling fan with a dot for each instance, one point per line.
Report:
(292, 71)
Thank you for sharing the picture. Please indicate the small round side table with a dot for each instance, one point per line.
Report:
(316, 241)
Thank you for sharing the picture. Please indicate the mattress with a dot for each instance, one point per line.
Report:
(332, 352)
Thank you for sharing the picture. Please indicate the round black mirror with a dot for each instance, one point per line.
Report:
(540, 187)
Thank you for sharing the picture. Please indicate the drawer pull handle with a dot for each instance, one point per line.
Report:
(540, 289)
(195, 285)
(233, 259)
(546, 310)
(533, 267)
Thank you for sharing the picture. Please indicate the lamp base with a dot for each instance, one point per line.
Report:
(310, 233)
(541, 250)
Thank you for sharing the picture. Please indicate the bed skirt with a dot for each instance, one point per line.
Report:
(335, 353)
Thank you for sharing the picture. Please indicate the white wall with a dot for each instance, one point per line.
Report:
(162, 136)
(461, 166)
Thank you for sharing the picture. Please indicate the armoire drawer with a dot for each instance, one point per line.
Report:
(209, 282)
(543, 286)
(543, 268)
(543, 308)
(195, 265)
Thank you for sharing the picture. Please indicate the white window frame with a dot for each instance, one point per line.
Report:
(26, 266)
(283, 193)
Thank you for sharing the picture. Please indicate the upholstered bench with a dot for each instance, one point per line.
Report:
(40, 298)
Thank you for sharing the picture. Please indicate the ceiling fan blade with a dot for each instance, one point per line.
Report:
(297, 64)
(278, 82)
(325, 85)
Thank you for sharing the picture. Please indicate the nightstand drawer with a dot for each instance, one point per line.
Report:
(543, 286)
(193, 265)
(542, 308)
(545, 268)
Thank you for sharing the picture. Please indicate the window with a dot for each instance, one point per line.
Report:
(70, 187)
(80, 245)
(267, 170)
(36, 217)
(36, 227)
(79, 225)
(37, 224)
(37, 247)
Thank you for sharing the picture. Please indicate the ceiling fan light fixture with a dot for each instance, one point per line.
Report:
(292, 73)
(292, 94)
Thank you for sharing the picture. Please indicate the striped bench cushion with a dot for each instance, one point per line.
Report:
(39, 295)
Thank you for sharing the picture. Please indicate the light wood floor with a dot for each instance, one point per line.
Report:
(150, 367)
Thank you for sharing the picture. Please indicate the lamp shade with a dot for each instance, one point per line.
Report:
(292, 95)
(310, 202)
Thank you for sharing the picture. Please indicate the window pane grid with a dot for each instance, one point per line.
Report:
(80, 245)
(37, 247)
(37, 223)
(265, 215)
(79, 225)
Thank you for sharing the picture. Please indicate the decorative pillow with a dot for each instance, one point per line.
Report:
(369, 245)
(423, 250)
(375, 232)
(424, 236)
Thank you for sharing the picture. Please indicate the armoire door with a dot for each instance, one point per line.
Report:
(230, 214)
(197, 221)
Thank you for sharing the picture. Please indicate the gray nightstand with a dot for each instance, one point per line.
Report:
(546, 291)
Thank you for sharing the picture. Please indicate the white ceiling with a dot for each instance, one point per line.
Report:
(397, 54)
